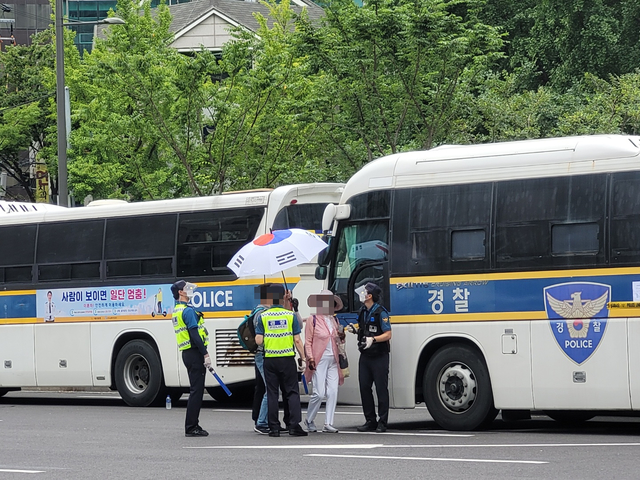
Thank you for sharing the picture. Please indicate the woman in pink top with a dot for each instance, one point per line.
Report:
(322, 333)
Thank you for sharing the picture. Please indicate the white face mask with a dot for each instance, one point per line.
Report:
(362, 293)
(189, 289)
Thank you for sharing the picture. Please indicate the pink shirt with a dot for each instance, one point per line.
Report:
(316, 340)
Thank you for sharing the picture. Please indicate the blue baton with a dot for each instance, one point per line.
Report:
(224, 387)
(304, 384)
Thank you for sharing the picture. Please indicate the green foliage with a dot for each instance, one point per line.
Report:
(24, 99)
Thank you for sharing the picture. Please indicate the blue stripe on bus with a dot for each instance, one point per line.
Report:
(489, 293)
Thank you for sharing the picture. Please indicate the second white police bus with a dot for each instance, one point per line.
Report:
(511, 272)
(85, 295)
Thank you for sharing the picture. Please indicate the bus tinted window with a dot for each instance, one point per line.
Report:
(307, 216)
(140, 237)
(370, 205)
(448, 227)
(625, 218)
(70, 242)
(18, 245)
(527, 209)
(208, 240)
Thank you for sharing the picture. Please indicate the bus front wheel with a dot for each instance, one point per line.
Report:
(457, 389)
(138, 373)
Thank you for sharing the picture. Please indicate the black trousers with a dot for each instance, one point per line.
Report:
(282, 373)
(194, 361)
(374, 370)
(258, 394)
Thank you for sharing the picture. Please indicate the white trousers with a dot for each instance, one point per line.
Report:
(325, 383)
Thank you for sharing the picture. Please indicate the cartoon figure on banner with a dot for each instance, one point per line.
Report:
(578, 324)
(157, 304)
(49, 308)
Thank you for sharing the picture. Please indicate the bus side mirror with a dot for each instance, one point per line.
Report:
(321, 272)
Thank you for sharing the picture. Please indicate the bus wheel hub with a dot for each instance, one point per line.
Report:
(457, 387)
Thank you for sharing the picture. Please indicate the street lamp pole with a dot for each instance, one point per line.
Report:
(63, 196)
(63, 191)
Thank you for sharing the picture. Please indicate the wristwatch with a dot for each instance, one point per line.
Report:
(374, 339)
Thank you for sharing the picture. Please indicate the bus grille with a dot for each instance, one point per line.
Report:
(229, 353)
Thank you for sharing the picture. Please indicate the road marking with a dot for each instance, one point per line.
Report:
(231, 410)
(518, 445)
(286, 447)
(413, 434)
(471, 460)
(6, 470)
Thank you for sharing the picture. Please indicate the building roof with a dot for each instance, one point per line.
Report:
(239, 13)
(206, 23)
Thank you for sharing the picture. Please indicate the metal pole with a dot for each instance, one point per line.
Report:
(60, 100)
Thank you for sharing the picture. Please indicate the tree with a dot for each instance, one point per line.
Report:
(26, 94)
(394, 69)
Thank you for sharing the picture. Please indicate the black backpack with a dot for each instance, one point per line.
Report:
(247, 330)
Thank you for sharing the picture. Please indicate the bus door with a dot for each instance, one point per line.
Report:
(361, 257)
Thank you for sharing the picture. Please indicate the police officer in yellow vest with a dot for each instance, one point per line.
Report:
(192, 339)
(278, 331)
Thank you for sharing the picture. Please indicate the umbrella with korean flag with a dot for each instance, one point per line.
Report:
(275, 252)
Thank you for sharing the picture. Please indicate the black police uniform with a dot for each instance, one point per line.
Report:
(373, 367)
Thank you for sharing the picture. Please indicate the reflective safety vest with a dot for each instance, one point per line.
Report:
(278, 332)
(182, 332)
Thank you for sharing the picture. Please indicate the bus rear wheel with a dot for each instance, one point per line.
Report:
(457, 389)
(138, 373)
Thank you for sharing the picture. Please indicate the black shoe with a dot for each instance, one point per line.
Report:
(261, 430)
(297, 431)
(367, 427)
(381, 428)
(274, 433)
(197, 432)
(283, 429)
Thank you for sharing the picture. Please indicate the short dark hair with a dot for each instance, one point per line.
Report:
(374, 290)
(273, 291)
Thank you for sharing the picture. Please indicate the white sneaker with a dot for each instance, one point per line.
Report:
(330, 429)
(310, 426)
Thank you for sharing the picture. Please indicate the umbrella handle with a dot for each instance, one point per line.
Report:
(285, 282)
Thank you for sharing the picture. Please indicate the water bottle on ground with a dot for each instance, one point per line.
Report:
(168, 402)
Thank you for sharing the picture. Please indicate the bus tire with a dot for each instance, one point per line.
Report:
(570, 417)
(138, 373)
(457, 389)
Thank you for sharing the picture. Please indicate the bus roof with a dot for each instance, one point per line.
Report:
(452, 164)
(110, 208)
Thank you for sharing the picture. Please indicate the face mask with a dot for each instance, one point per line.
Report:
(189, 289)
(362, 293)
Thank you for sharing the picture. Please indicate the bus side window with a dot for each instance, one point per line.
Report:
(19, 244)
(208, 240)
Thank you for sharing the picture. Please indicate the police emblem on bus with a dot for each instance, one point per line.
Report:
(577, 313)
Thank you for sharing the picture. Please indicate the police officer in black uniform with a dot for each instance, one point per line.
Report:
(374, 333)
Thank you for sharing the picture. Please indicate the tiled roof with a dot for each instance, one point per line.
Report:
(241, 12)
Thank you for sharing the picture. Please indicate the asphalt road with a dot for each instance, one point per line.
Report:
(46, 435)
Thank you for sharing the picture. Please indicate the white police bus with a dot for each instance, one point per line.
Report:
(511, 271)
(85, 294)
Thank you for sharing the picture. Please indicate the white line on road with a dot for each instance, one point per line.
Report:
(518, 445)
(412, 434)
(231, 410)
(379, 457)
(7, 470)
(287, 447)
